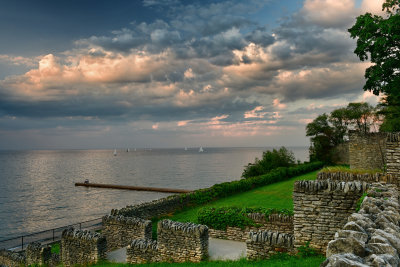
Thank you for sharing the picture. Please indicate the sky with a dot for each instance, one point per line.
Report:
(90, 74)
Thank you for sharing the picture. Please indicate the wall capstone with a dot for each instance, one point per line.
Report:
(82, 247)
(120, 230)
(262, 244)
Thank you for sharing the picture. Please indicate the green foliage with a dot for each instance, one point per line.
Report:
(378, 39)
(270, 160)
(328, 131)
(305, 251)
(55, 248)
(360, 201)
(222, 217)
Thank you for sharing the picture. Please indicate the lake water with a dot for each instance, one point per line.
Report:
(37, 189)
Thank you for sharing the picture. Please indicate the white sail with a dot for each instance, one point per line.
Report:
(201, 149)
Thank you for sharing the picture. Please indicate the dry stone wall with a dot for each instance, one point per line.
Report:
(367, 151)
(275, 222)
(371, 237)
(11, 259)
(36, 254)
(182, 242)
(393, 155)
(177, 242)
(120, 231)
(143, 251)
(321, 208)
(263, 244)
(82, 247)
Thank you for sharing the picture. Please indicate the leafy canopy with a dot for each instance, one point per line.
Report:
(270, 160)
(378, 39)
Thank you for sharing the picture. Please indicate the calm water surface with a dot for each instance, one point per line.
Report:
(37, 189)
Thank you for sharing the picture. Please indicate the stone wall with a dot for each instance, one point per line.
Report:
(182, 242)
(36, 254)
(11, 259)
(262, 244)
(120, 231)
(321, 208)
(177, 242)
(393, 155)
(367, 151)
(143, 251)
(82, 247)
(371, 237)
(275, 222)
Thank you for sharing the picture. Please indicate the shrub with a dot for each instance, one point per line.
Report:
(270, 160)
(221, 218)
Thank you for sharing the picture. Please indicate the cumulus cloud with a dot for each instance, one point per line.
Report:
(198, 62)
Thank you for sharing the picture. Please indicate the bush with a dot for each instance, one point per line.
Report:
(270, 160)
(221, 218)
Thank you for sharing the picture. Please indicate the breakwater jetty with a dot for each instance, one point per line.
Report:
(136, 188)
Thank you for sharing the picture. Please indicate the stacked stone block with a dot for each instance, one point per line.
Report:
(36, 254)
(263, 244)
(11, 259)
(82, 247)
(275, 222)
(367, 151)
(177, 242)
(321, 208)
(120, 231)
(180, 242)
(393, 155)
(371, 237)
(143, 251)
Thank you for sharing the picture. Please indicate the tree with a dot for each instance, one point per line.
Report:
(360, 115)
(322, 138)
(328, 131)
(378, 38)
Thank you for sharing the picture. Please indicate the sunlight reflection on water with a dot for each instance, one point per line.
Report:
(37, 189)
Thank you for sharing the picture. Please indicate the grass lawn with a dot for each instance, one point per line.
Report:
(277, 195)
(278, 262)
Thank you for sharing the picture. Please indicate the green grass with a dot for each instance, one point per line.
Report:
(277, 195)
(55, 248)
(287, 261)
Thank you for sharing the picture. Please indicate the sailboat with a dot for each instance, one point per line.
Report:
(201, 149)
(127, 150)
(115, 152)
(185, 148)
